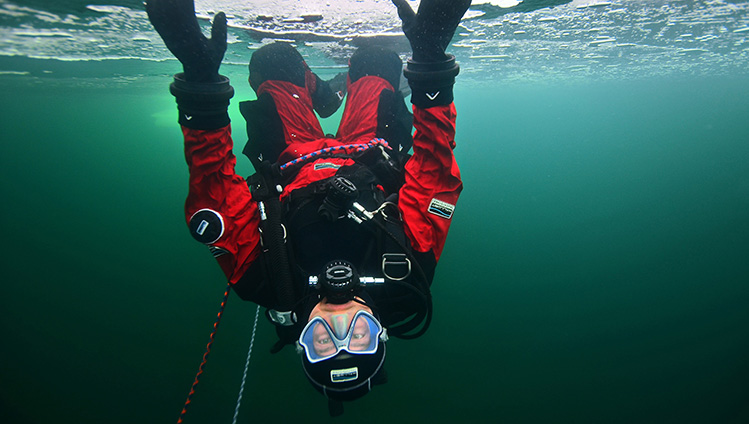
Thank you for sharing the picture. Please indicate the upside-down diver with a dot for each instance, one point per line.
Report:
(337, 236)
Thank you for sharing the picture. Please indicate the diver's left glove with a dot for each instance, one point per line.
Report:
(202, 94)
(430, 71)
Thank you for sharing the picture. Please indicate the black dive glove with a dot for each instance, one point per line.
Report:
(430, 72)
(202, 94)
(329, 95)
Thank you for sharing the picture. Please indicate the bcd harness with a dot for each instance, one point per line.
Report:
(353, 205)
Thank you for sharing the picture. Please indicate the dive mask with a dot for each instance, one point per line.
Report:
(361, 336)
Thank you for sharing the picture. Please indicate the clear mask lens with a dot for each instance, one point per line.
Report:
(321, 342)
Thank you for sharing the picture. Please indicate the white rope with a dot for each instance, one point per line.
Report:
(246, 366)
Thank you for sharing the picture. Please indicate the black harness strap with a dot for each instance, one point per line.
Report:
(273, 231)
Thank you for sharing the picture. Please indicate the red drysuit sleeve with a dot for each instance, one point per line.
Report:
(214, 185)
(433, 184)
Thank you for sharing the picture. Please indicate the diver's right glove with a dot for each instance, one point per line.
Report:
(430, 72)
(202, 94)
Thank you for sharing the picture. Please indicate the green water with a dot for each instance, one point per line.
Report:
(596, 270)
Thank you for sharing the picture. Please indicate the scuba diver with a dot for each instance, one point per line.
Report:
(337, 236)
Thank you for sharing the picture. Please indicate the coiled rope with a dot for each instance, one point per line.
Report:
(205, 355)
(246, 366)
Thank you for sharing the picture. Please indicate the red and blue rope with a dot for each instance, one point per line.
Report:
(344, 148)
(205, 355)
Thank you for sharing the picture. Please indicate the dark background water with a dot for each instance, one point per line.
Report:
(596, 269)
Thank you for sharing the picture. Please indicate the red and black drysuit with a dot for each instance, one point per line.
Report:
(425, 201)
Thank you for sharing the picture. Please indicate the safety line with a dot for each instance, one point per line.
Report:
(246, 366)
(205, 355)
